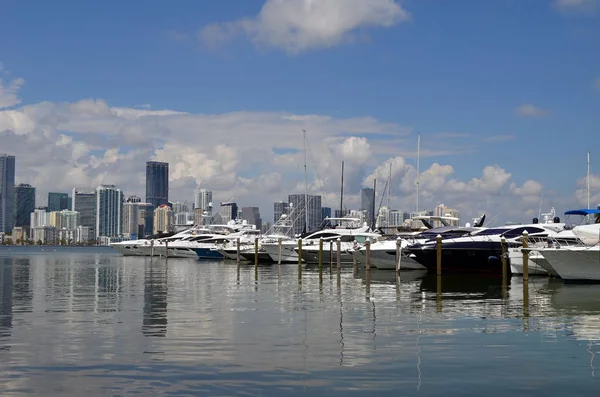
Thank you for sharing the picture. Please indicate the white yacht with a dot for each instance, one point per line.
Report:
(332, 228)
(348, 242)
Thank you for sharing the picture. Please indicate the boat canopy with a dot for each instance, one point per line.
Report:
(583, 212)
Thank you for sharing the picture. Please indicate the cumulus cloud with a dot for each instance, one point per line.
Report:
(576, 6)
(581, 194)
(529, 110)
(299, 25)
(9, 90)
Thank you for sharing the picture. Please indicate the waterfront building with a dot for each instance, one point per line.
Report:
(109, 207)
(157, 183)
(315, 213)
(19, 235)
(45, 235)
(58, 201)
(145, 219)
(39, 218)
(229, 211)
(395, 218)
(84, 202)
(252, 216)
(25, 204)
(341, 213)
(7, 193)
(83, 234)
(325, 212)
(163, 219)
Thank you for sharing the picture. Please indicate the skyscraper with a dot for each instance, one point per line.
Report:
(279, 208)
(25, 202)
(163, 219)
(57, 201)
(84, 202)
(229, 211)
(109, 207)
(157, 183)
(252, 216)
(203, 200)
(367, 202)
(131, 217)
(315, 213)
(7, 192)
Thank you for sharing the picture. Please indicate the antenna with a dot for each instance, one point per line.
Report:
(418, 167)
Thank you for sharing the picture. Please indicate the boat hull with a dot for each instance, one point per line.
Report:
(576, 264)
(386, 260)
(484, 258)
(516, 263)
(208, 253)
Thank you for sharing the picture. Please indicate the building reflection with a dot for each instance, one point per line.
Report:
(6, 309)
(155, 300)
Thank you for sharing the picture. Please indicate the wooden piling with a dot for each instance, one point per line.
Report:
(368, 254)
(321, 260)
(238, 250)
(398, 254)
(525, 240)
(256, 252)
(339, 253)
(438, 243)
(299, 260)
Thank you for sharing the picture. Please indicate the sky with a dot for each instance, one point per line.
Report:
(504, 94)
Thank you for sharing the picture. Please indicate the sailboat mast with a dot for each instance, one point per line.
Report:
(305, 184)
(373, 209)
(588, 179)
(418, 166)
(342, 193)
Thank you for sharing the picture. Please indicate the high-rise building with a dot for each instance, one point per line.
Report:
(58, 201)
(203, 200)
(325, 212)
(252, 216)
(7, 193)
(84, 202)
(131, 217)
(39, 218)
(157, 183)
(229, 211)
(367, 203)
(279, 208)
(25, 202)
(313, 209)
(163, 219)
(109, 207)
(145, 219)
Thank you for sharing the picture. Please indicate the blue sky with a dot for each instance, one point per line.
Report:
(454, 72)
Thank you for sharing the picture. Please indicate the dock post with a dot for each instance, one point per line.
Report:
(166, 249)
(256, 252)
(321, 260)
(279, 256)
(339, 253)
(330, 256)
(238, 250)
(504, 265)
(398, 254)
(438, 243)
(525, 240)
(299, 260)
(368, 254)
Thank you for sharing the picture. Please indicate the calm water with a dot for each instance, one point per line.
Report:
(88, 322)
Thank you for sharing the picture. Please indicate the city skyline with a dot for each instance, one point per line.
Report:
(484, 84)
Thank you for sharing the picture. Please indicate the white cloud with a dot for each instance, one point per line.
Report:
(9, 91)
(529, 110)
(581, 193)
(299, 25)
(577, 6)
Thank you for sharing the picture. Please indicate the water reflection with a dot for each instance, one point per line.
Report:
(73, 322)
(155, 299)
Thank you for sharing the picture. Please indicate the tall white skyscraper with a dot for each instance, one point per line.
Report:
(203, 200)
(109, 207)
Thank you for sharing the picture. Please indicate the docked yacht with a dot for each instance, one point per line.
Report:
(481, 250)
(311, 247)
(332, 228)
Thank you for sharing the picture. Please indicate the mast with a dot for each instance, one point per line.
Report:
(373, 206)
(588, 179)
(418, 165)
(342, 193)
(389, 187)
(305, 184)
